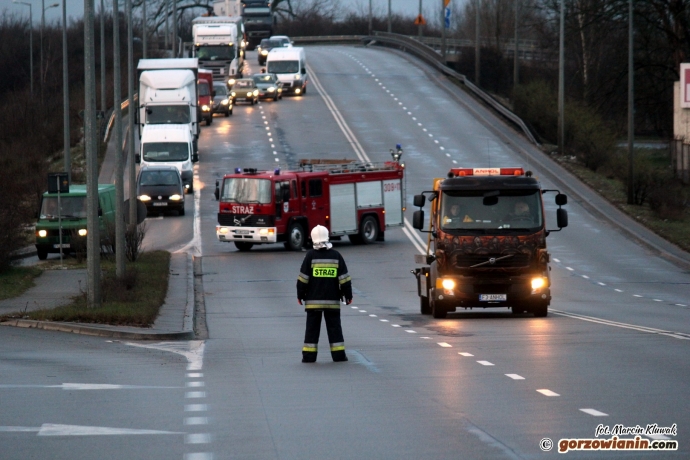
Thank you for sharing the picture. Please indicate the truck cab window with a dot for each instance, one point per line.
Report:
(315, 187)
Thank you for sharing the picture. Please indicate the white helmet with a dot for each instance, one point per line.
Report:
(319, 236)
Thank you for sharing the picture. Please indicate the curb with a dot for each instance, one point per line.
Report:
(187, 332)
(100, 331)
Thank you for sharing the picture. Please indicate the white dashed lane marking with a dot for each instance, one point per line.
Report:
(546, 392)
(594, 412)
(486, 363)
(463, 353)
(515, 376)
(444, 345)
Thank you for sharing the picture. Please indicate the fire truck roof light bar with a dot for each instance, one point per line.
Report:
(461, 172)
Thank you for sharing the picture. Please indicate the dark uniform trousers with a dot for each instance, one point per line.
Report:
(322, 283)
(335, 335)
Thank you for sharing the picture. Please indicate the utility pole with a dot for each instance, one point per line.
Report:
(93, 245)
(65, 97)
(174, 27)
(167, 24)
(120, 164)
(515, 61)
(143, 28)
(561, 82)
(419, 27)
(130, 119)
(631, 107)
(370, 19)
(103, 63)
(477, 46)
(390, 20)
(43, 24)
(31, 45)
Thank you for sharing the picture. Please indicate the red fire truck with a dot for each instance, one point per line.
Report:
(359, 200)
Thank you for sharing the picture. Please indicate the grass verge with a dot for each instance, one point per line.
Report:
(132, 301)
(15, 281)
(677, 231)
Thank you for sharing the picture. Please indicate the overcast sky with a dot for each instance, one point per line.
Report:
(75, 8)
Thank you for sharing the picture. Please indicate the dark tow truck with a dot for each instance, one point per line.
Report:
(488, 231)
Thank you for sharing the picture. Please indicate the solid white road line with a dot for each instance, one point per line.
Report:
(649, 330)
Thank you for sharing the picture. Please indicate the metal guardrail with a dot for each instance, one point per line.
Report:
(428, 55)
(111, 120)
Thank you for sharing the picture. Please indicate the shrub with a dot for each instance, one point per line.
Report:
(669, 200)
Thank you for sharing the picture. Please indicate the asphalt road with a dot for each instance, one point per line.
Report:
(479, 384)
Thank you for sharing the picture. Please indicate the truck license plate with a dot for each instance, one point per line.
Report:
(492, 297)
(242, 232)
(64, 245)
(162, 203)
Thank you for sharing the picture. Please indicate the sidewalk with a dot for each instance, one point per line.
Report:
(56, 287)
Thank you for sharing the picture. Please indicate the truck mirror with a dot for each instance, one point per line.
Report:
(137, 158)
(216, 192)
(213, 93)
(561, 199)
(195, 157)
(418, 219)
(419, 200)
(561, 217)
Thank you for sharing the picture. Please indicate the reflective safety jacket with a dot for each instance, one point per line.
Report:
(323, 280)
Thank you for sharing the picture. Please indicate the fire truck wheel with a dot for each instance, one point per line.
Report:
(369, 230)
(424, 307)
(295, 237)
(244, 247)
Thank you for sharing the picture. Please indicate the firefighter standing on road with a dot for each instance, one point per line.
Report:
(323, 281)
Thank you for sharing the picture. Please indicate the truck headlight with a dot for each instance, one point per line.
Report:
(448, 284)
(538, 283)
(205, 108)
(266, 231)
(223, 230)
(255, 92)
(82, 232)
(145, 198)
(42, 233)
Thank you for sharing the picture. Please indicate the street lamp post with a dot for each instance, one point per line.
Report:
(65, 96)
(31, 45)
(43, 25)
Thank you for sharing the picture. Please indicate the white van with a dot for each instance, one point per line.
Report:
(170, 145)
(290, 65)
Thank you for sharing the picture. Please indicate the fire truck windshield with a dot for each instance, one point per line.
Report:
(246, 190)
(479, 211)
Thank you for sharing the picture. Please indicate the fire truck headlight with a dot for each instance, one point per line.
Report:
(538, 283)
(448, 284)
(82, 232)
(223, 230)
(42, 233)
(266, 231)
